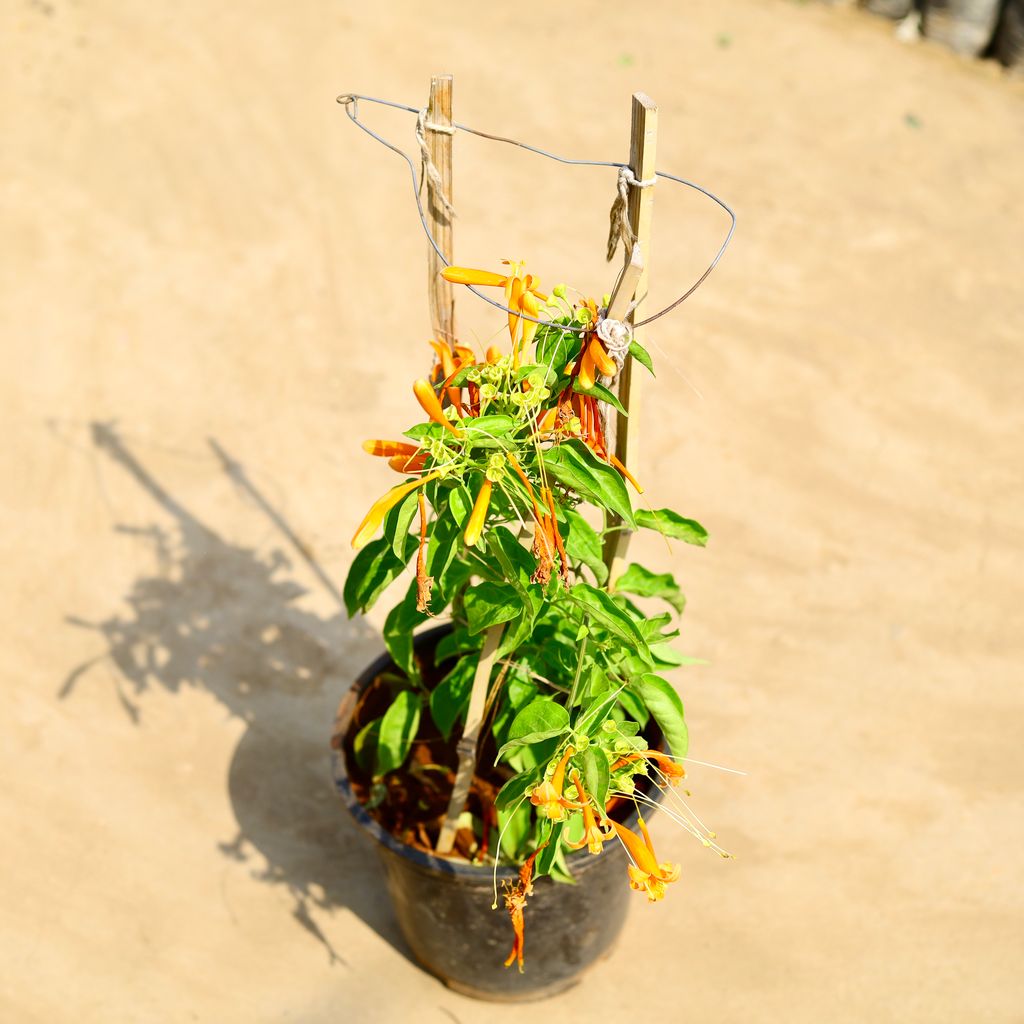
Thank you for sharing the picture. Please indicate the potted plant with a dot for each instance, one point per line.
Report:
(523, 746)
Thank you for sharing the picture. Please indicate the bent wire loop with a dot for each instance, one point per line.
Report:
(350, 101)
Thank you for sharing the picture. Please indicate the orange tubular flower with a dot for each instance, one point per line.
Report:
(548, 421)
(432, 407)
(493, 354)
(526, 483)
(449, 367)
(475, 526)
(586, 372)
(602, 360)
(408, 463)
(673, 771)
(645, 873)
(389, 448)
(521, 295)
(625, 472)
(465, 275)
(547, 795)
(593, 835)
(380, 508)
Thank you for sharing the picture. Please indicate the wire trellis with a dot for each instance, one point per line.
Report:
(350, 101)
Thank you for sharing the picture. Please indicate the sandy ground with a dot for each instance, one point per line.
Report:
(213, 289)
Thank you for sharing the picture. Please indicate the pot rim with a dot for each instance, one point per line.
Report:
(578, 861)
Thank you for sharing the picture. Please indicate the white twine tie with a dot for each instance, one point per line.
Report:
(619, 228)
(427, 167)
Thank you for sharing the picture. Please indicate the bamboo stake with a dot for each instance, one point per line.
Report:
(442, 297)
(442, 319)
(467, 744)
(642, 157)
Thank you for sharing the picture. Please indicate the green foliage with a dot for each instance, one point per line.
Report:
(579, 665)
(641, 355)
(644, 583)
(488, 604)
(373, 570)
(398, 634)
(397, 730)
(541, 719)
(555, 348)
(575, 466)
(449, 699)
(583, 544)
(671, 524)
(598, 390)
(667, 707)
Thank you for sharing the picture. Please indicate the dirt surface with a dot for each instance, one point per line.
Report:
(213, 289)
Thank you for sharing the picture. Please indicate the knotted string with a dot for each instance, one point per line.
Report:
(619, 228)
(617, 336)
(427, 167)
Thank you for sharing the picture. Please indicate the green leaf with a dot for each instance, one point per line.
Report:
(455, 643)
(516, 787)
(555, 347)
(596, 710)
(429, 430)
(653, 627)
(516, 562)
(541, 719)
(450, 698)
(397, 521)
(464, 376)
(449, 574)
(514, 829)
(667, 708)
(671, 524)
(583, 544)
(397, 729)
(373, 570)
(641, 355)
(398, 632)
(518, 692)
(488, 604)
(521, 629)
(573, 464)
(559, 869)
(536, 755)
(644, 583)
(635, 708)
(460, 504)
(364, 746)
(595, 774)
(601, 393)
(546, 857)
(606, 612)
(541, 376)
(492, 427)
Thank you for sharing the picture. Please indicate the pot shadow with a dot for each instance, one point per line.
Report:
(225, 618)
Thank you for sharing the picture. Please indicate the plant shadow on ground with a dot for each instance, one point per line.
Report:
(225, 618)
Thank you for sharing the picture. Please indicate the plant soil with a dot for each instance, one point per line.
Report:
(411, 803)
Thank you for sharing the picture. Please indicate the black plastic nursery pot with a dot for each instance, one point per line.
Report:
(443, 905)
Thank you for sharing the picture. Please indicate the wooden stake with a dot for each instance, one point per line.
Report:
(642, 157)
(442, 319)
(442, 298)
